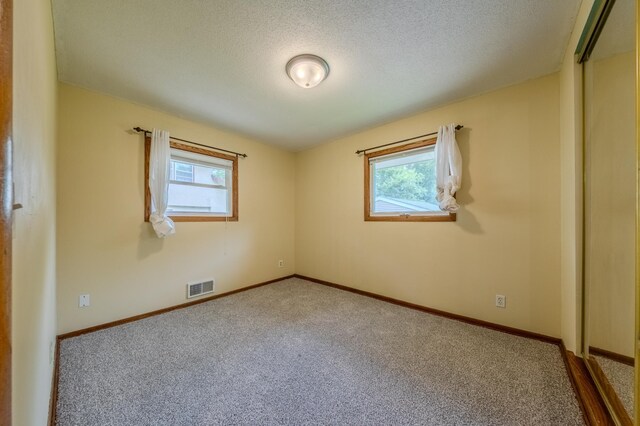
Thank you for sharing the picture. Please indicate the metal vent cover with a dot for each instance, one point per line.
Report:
(200, 288)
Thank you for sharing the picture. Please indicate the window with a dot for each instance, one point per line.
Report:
(400, 184)
(203, 184)
(181, 172)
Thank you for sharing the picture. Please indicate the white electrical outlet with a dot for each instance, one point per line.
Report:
(84, 301)
(280, 263)
(501, 301)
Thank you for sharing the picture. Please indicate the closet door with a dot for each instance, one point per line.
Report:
(610, 208)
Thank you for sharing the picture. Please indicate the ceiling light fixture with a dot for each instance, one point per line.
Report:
(307, 71)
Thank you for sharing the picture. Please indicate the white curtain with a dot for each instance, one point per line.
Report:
(159, 164)
(448, 168)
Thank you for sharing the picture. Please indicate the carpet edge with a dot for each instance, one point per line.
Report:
(164, 310)
(592, 409)
(438, 312)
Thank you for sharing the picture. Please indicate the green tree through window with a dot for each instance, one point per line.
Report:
(414, 181)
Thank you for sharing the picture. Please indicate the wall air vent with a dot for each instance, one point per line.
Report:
(198, 289)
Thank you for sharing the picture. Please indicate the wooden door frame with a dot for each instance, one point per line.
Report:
(6, 204)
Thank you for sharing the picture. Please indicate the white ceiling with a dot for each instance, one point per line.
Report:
(222, 61)
(619, 33)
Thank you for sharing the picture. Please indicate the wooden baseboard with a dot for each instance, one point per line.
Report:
(593, 408)
(592, 405)
(469, 320)
(56, 365)
(612, 355)
(164, 310)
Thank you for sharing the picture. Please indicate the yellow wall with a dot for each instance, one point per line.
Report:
(611, 203)
(517, 232)
(506, 240)
(34, 233)
(571, 188)
(105, 248)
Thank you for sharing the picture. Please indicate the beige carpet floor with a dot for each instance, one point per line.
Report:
(299, 353)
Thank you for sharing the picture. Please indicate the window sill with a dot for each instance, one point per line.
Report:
(451, 217)
(204, 218)
(201, 219)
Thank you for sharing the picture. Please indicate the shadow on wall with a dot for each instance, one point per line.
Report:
(466, 220)
(148, 243)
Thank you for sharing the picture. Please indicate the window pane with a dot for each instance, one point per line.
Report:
(209, 175)
(202, 185)
(404, 183)
(182, 172)
(191, 199)
(199, 184)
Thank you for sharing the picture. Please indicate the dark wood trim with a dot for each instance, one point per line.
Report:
(367, 188)
(565, 354)
(189, 148)
(400, 148)
(592, 405)
(54, 385)
(56, 367)
(422, 217)
(196, 150)
(164, 310)
(6, 204)
(450, 217)
(593, 408)
(203, 218)
(147, 191)
(468, 320)
(612, 356)
(608, 393)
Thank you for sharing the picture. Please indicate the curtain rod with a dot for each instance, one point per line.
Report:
(237, 154)
(361, 151)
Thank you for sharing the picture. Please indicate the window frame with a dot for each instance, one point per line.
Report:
(196, 150)
(402, 217)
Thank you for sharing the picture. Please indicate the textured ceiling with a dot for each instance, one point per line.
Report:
(222, 62)
(619, 33)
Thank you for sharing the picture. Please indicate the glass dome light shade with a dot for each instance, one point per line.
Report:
(307, 71)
